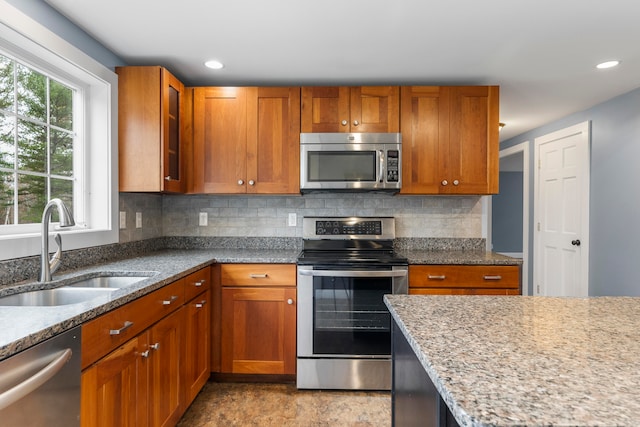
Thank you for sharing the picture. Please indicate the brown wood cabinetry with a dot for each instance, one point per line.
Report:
(137, 368)
(246, 140)
(150, 108)
(464, 279)
(350, 109)
(450, 139)
(258, 324)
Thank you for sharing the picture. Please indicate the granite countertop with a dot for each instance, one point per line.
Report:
(23, 327)
(466, 257)
(528, 361)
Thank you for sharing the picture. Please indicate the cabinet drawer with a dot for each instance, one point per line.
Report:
(103, 334)
(196, 283)
(464, 276)
(463, 291)
(258, 274)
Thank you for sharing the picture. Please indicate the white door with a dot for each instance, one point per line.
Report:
(561, 221)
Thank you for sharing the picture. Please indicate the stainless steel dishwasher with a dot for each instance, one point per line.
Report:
(40, 386)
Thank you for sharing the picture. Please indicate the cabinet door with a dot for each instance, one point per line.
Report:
(172, 112)
(196, 360)
(219, 140)
(164, 375)
(273, 140)
(325, 109)
(425, 139)
(375, 109)
(258, 330)
(474, 141)
(114, 390)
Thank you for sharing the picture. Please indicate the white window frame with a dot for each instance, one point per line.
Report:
(29, 40)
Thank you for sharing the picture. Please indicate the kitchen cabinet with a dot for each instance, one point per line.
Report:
(464, 279)
(246, 140)
(450, 139)
(197, 345)
(258, 324)
(351, 109)
(138, 368)
(150, 146)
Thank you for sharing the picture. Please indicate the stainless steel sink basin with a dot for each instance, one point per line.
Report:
(110, 282)
(54, 297)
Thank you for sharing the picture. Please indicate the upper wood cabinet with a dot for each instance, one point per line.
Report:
(350, 109)
(246, 140)
(450, 139)
(150, 130)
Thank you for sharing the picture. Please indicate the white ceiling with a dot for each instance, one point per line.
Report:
(542, 53)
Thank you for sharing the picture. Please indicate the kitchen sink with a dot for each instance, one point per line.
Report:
(108, 282)
(54, 297)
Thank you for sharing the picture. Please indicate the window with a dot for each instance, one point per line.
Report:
(36, 142)
(58, 129)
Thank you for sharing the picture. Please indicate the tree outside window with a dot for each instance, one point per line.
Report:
(36, 142)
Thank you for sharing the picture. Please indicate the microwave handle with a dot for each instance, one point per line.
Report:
(353, 273)
(381, 174)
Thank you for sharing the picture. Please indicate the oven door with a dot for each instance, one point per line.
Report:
(341, 312)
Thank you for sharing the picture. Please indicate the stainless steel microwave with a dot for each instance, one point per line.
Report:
(350, 162)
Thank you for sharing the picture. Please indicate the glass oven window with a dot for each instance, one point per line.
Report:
(349, 316)
(347, 166)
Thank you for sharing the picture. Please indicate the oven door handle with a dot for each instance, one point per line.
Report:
(352, 273)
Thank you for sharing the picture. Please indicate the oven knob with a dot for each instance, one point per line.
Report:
(336, 231)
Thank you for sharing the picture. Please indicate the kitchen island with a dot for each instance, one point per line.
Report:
(519, 361)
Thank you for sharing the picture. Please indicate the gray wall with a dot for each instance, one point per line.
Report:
(614, 198)
(506, 214)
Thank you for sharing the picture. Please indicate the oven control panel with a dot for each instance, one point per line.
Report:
(335, 228)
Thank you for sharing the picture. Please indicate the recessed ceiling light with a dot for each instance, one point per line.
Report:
(607, 64)
(214, 65)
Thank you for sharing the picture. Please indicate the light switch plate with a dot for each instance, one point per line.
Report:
(292, 219)
(123, 219)
(203, 219)
(138, 219)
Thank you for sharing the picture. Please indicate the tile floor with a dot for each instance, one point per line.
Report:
(248, 404)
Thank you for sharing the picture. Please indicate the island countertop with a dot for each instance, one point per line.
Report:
(528, 361)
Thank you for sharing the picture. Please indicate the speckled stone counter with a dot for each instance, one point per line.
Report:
(528, 361)
(473, 257)
(23, 327)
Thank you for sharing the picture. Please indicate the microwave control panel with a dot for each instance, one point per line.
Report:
(393, 163)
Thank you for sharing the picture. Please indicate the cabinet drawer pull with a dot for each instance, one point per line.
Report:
(145, 354)
(170, 300)
(258, 276)
(199, 283)
(201, 303)
(497, 277)
(127, 325)
(155, 346)
(434, 277)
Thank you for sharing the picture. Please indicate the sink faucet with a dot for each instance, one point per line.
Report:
(66, 220)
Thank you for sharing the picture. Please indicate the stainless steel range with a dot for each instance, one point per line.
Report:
(344, 329)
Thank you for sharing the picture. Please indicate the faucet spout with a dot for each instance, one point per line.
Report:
(66, 220)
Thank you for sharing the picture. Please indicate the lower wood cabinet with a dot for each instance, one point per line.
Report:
(258, 322)
(464, 280)
(147, 378)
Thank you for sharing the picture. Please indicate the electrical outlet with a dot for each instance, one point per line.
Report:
(203, 219)
(292, 219)
(123, 219)
(138, 219)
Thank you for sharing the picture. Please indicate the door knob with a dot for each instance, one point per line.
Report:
(575, 242)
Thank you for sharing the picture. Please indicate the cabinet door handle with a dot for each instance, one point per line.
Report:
(240, 182)
(155, 346)
(356, 123)
(170, 300)
(258, 276)
(434, 277)
(127, 325)
(456, 182)
(201, 303)
(290, 301)
(445, 182)
(145, 354)
(252, 182)
(167, 178)
(496, 277)
(344, 122)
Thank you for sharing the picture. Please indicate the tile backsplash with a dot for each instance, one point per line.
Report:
(267, 216)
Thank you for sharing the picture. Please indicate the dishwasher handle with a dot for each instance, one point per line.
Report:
(32, 383)
(353, 273)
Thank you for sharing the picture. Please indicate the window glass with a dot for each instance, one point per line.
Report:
(36, 142)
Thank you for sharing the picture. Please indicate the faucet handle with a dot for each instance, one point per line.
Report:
(55, 259)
